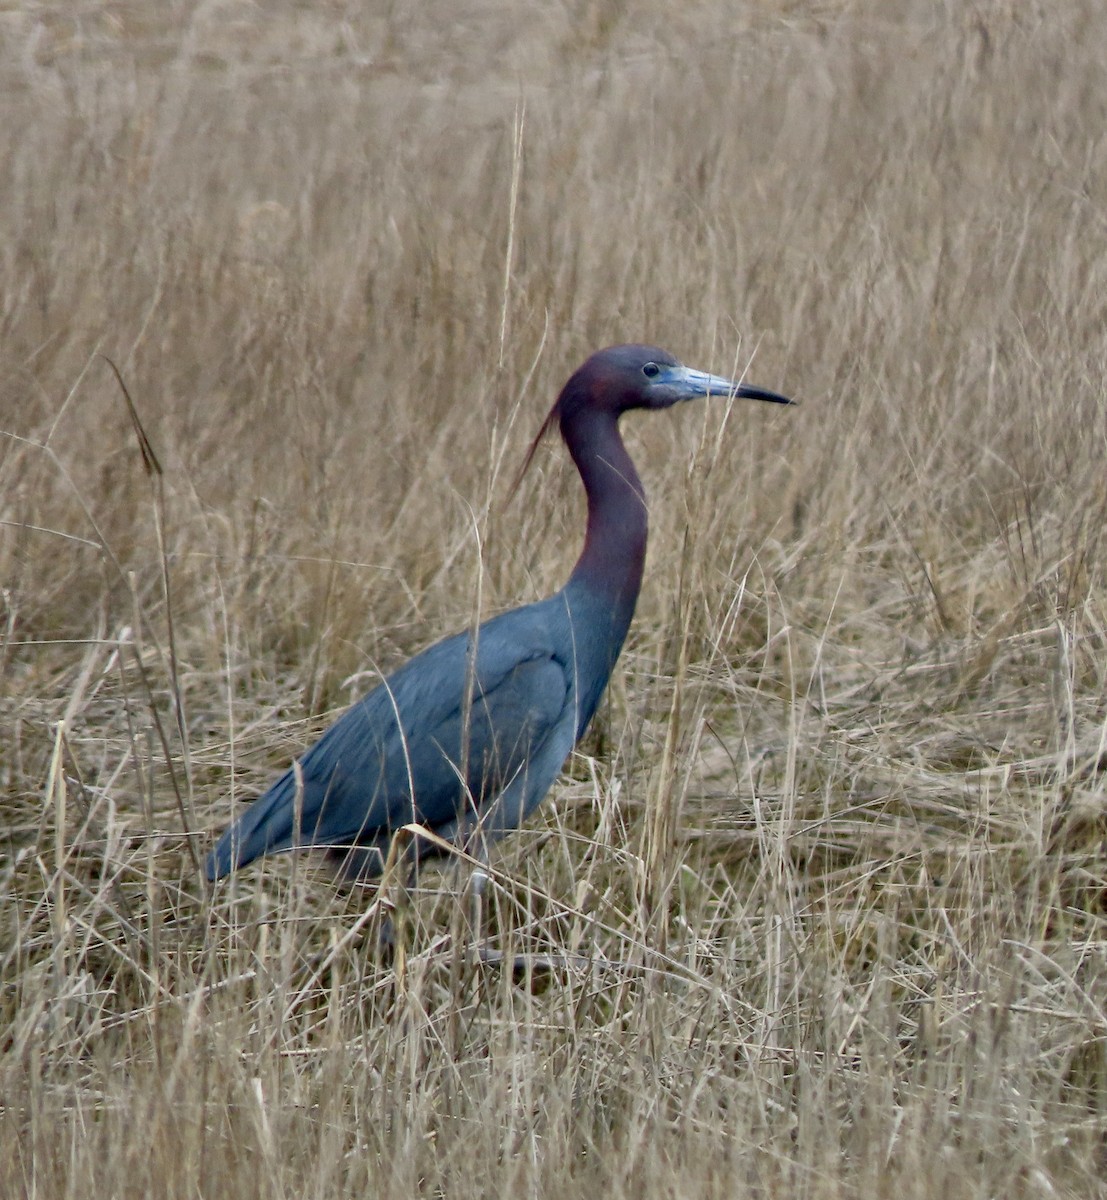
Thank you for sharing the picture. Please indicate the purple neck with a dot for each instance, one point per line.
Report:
(615, 544)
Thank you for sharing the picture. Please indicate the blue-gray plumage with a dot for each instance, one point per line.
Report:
(467, 737)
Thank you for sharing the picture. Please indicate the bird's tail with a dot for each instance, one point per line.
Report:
(264, 828)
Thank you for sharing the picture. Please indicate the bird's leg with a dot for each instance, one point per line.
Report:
(394, 910)
(477, 848)
(386, 932)
(396, 882)
(478, 881)
(400, 927)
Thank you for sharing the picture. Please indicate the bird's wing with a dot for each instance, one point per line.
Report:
(400, 753)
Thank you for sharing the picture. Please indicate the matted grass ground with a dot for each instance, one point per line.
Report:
(843, 815)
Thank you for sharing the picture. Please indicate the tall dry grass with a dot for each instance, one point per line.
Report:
(842, 819)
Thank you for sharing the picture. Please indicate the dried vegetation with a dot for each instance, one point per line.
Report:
(843, 818)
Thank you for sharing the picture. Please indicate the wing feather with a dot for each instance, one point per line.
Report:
(414, 749)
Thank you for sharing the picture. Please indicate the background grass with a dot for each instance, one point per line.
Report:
(843, 814)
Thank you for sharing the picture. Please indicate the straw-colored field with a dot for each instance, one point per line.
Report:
(841, 820)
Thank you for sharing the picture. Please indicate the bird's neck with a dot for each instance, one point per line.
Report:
(614, 551)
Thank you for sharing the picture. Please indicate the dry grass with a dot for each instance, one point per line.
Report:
(844, 814)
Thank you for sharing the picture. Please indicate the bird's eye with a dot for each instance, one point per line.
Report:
(651, 370)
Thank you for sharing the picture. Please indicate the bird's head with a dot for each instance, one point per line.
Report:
(625, 377)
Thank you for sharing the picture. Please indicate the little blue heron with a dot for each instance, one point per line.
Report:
(468, 736)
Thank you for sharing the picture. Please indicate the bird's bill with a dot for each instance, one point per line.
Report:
(700, 383)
